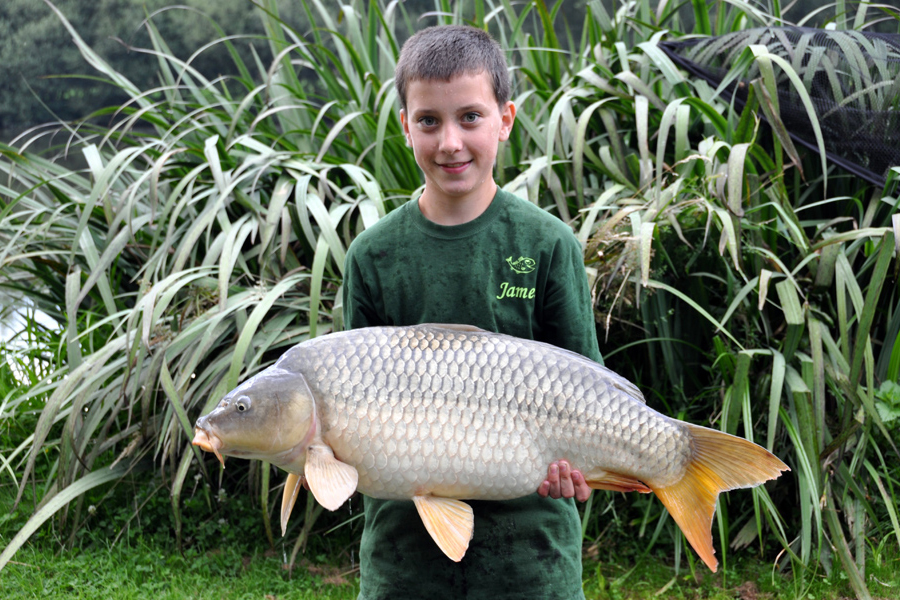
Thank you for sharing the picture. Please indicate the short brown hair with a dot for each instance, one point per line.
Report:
(443, 52)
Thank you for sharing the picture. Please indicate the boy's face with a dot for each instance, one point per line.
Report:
(454, 128)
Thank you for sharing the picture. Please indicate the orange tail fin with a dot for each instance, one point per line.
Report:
(720, 462)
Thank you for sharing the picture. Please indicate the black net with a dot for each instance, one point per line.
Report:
(853, 80)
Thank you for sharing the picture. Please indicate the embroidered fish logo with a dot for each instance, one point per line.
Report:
(521, 264)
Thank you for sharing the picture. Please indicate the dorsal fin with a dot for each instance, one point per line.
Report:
(454, 327)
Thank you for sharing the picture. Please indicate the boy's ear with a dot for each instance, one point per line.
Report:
(507, 118)
(405, 123)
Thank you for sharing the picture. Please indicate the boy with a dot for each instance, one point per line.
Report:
(468, 252)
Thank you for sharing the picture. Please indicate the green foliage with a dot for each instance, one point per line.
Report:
(144, 571)
(887, 401)
(42, 64)
(45, 75)
(206, 232)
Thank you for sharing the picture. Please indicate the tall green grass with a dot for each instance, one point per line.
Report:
(207, 234)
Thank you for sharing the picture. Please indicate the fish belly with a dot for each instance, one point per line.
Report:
(470, 414)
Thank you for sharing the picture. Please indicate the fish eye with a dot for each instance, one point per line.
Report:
(242, 404)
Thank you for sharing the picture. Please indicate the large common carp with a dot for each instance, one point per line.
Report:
(441, 413)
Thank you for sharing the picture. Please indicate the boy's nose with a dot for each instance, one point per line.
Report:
(451, 141)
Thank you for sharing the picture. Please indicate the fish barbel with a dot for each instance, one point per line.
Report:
(441, 413)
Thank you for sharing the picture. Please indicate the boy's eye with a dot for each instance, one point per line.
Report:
(470, 117)
(428, 121)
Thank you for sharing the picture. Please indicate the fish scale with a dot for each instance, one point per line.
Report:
(440, 413)
(506, 410)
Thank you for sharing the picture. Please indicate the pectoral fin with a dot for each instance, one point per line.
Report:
(450, 523)
(291, 488)
(330, 480)
(599, 479)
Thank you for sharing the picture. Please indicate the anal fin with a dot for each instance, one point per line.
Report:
(331, 481)
(600, 479)
(291, 488)
(450, 523)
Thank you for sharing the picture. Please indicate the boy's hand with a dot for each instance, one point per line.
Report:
(564, 482)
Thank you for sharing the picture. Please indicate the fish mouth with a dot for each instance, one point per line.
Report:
(209, 443)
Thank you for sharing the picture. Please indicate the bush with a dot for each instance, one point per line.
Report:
(207, 234)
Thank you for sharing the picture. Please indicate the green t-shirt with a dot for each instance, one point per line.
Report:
(516, 270)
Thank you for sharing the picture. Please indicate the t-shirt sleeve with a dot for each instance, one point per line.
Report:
(567, 308)
(360, 301)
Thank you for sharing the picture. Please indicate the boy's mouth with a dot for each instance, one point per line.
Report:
(456, 167)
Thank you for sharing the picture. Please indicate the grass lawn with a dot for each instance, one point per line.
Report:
(226, 556)
(750, 579)
(144, 571)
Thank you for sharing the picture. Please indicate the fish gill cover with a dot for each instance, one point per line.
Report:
(852, 78)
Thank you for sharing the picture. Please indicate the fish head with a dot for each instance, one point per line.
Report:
(269, 417)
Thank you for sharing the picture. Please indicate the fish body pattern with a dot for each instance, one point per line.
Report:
(442, 413)
(473, 415)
